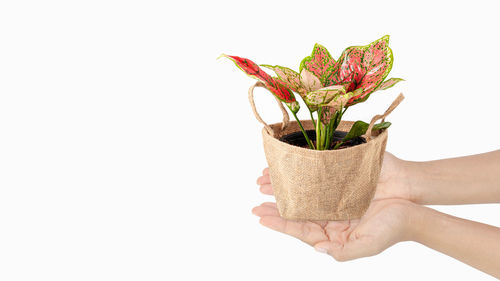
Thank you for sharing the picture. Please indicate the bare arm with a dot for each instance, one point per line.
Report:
(473, 243)
(464, 180)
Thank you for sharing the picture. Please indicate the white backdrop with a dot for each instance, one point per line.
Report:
(128, 152)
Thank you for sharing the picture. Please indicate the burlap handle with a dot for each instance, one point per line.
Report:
(286, 118)
(393, 105)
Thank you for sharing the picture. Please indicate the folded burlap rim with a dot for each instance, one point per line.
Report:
(286, 117)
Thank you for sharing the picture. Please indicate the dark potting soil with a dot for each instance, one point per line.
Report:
(298, 139)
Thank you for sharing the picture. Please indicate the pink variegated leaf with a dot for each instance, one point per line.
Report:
(323, 96)
(336, 104)
(250, 68)
(377, 62)
(290, 78)
(340, 101)
(293, 105)
(272, 84)
(319, 63)
(357, 95)
(349, 70)
(309, 81)
(388, 83)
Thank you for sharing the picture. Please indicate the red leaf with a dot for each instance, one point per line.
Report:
(272, 84)
(377, 63)
(250, 68)
(288, 77)
(349, 69)
(388, 83)
(319, 63)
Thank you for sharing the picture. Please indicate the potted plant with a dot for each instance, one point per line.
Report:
(325, 168)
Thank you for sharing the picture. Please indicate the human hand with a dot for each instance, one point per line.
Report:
(385, 223)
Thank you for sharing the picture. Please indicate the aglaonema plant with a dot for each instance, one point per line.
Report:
(329, 87)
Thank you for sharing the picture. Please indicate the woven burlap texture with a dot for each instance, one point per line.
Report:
(322, 185)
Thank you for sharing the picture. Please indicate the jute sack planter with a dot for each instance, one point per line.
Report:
(322, 185)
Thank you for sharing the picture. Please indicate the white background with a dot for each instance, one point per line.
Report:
(128, 152)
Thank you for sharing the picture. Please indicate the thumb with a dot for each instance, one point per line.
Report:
(347, 251)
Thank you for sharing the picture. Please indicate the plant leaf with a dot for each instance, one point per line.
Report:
(250, 68)
(336, 104)
(389, 83)
(324, 95)
(272, 84)
(289, 77)
(359, 128)
(339, 101)
(348, 69)
(294, 105)
(377, 63)
(380, 126)
(309, 81)
(319, 64)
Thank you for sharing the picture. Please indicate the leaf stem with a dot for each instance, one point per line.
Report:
(311, 145)
(312, 117)
(338, 145)
(318, 130)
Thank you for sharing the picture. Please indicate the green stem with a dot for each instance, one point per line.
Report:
(324, 136)
(345, 109)
(328, 136)
(338, 145)
(312, 118)
(311, 146)
(318, 130)
(330, 131)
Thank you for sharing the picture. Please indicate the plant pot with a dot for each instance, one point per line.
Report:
(322, 185)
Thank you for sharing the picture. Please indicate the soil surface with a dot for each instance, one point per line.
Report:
(298, 139)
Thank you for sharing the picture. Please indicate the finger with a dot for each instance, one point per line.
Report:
(308, 232)
(265, 179)
(266, 189)
(346, 251)
(265, 171)
(329, 247)
(265, 210)
(271, 204)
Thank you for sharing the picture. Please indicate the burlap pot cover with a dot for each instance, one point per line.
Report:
(322, 185)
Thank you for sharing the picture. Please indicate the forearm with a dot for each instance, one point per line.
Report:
(473, 243)
(465, 180)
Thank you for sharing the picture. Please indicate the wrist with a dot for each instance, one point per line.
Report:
(418, 216)
(411, 173)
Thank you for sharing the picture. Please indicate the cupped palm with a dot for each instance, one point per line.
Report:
(385, 222)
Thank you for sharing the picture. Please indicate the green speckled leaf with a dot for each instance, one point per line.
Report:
(389, 83)
(323, 96)
(319, 63)
(289, 77)
(339, 101)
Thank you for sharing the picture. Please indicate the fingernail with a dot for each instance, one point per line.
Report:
(321, 250)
